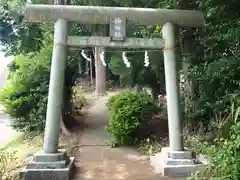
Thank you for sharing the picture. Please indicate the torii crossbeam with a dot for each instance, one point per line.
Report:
(102, 14)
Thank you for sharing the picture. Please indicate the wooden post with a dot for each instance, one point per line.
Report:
(91, 71)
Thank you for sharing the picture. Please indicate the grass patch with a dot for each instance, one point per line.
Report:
(152, 145)
(17, 153)
(15, 140)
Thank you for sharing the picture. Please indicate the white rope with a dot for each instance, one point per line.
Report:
(146, 59)
(102, 58)
(85, 56)
(124, 57)
(125, 60)
(129, 51)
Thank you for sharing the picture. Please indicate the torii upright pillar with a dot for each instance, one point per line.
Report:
(53, 163)
(172, 88)
(173, 160)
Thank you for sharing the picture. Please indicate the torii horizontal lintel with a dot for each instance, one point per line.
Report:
(90, 41)
(102, 14)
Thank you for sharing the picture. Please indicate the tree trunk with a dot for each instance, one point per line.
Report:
(63, 127)
(154, 93)
(80, 66)
(66, 111)
(66, 101)
(100, 70)
(91, 71)
(138, 88)
(189, 81)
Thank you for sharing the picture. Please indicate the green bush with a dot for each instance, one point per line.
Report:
(24, 97)
(128, 112)
(78, 100)
(224, 156)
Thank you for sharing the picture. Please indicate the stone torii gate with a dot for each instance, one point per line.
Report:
(53, 163)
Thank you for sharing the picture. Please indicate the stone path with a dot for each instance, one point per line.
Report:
(95, 160)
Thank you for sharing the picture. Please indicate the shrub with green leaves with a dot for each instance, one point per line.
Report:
(78, 100)
(24, 96)
(224, 156)
(128, 112)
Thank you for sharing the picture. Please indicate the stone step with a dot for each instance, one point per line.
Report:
(45, 174)
(47, 165)
(176, 163)
(61, 155)
(170, 161)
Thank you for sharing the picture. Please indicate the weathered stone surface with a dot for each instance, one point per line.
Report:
(176, 164)
(47, 165)
(89, 41)
(59, 170)
(61, 155)
(180, 170)
(102, 15)
(178, 154)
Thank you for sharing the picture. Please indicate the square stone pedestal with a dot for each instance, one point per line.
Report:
(176, 163)
(57, 166)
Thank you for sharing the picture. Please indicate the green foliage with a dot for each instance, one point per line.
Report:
(117, 67)
(5, 160)
(217, 81)
(78, 100)
(137, 73)
(215, 65)
(16, 35)
(128, 112)
(25, 95)
(150, 146)
(224, 157)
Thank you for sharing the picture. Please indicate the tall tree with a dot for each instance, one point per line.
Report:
(17, 36)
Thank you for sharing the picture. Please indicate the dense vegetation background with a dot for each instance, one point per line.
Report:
(208, 60)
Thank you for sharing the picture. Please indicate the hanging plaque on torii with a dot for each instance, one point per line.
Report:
(117, 28)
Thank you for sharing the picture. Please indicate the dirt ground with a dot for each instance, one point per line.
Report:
(95, 160)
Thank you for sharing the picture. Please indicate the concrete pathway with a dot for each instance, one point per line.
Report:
(95, 160)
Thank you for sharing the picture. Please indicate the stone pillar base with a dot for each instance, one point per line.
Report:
(176, 163)
(49, 167)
